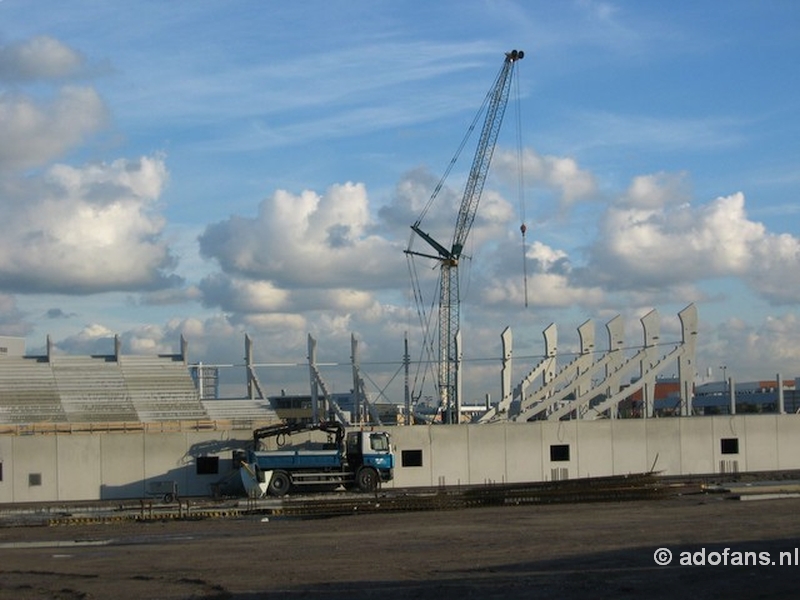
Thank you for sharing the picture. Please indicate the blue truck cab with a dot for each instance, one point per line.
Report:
(370, 449)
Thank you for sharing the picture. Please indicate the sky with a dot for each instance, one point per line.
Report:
(211, 169)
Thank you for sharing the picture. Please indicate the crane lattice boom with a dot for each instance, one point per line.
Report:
(449, 301)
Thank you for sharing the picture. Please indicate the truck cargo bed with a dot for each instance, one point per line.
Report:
(298, 459)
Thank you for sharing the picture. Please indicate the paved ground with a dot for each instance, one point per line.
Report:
(567, 551)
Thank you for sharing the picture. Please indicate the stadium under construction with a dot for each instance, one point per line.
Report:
(116, 426)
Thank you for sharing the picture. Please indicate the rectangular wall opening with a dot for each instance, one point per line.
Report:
(559, 452)
(411, 458)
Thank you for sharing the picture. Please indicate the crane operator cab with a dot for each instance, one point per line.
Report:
(369, 455)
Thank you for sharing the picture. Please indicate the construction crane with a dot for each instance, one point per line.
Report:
(449, 300)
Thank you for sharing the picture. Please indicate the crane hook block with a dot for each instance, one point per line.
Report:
(515, 55)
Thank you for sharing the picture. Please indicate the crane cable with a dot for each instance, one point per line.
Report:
(523, 228)
(427, 351)
(456, 156)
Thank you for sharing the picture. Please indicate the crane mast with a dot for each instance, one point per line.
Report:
(449, 300)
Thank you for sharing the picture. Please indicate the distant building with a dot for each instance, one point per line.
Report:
(714, 398)
(751, 397)
(297, 408)
(12, 346)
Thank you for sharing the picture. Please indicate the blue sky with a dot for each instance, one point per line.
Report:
(215, 168)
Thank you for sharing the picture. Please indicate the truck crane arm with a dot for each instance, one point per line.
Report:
(269, 431)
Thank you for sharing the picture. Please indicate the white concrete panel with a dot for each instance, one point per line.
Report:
(34, 468)
(560, 433)
(663, 445)
(79, 472)
(122, 465)
(730, 427)
(7, 479)
(166, 458)
(761, 439)
(487, 454)
(412, 439)
(788, 428)
(449, 455)
(697, 446)
(594, 448)
(524, 460)
(629, 451)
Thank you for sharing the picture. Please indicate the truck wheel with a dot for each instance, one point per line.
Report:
(279, 484)
(367, 479)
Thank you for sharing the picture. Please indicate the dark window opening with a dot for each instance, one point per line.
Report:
(729, 445)
(208, 465)
(34, 479)
(559, 452)
(1, 471)
(411, 458)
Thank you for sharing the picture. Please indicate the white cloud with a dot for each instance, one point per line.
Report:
(651, 238)
(412, 202)
(213, 339)
(85, 230)
(238, 295)
(654, 192)
(549, 282)
(308, 241)
(94, 338)
(750, 347)
(558, 173)
(775, 270)
(68, 229)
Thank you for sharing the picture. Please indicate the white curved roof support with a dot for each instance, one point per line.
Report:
(588, 380)
(509, 406)
(686, 361)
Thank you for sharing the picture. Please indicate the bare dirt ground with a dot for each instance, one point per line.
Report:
(566, 551)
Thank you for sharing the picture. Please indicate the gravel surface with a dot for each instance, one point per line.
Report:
(603, 550)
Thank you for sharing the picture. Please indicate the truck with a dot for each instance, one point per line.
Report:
(357, 460)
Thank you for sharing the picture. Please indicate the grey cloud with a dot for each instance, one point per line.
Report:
(35, 133)
(41, 57)
(57, 313)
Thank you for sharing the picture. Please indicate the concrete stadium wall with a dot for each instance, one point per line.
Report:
(788, 443)
(516, 452)
(91, 466)
(106, 466)
(75, 450)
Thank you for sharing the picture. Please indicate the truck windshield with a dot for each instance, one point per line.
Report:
(379, 442)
